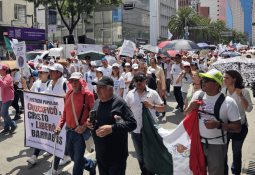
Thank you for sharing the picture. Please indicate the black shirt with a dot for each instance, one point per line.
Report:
(113, 147)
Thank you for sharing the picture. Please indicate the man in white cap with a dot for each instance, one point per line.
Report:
(57, 86)
(90, 75)
(218, 114)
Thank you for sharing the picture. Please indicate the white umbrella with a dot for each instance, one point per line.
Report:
(150, 48)
(244, 66)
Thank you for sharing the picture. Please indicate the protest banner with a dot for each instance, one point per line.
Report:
(89, 47)
(42, 113)
(20, 52)
(127, 48)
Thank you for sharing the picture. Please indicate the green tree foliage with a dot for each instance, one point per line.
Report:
(211, 32)
(73, 9)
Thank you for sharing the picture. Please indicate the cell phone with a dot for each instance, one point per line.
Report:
(92, 117)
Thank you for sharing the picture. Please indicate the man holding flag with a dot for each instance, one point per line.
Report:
(136, 98)
(217, 116)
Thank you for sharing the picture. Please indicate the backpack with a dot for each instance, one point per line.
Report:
(216, 113)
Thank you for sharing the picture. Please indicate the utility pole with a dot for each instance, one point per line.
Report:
(46, 19)
(154, 22)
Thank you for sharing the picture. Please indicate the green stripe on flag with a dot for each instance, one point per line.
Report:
(156, 157)
(8, 44)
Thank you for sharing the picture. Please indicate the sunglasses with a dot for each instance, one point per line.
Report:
(207, 80)
(186, 66)
(73, 81)
(42, 72)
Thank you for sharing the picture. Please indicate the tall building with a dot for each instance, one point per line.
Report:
(110, 25)
(217, 9)
(184, 3)
(253, 27)
(247, 6)
(235, 15)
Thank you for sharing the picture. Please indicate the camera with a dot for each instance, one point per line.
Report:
(92, 117)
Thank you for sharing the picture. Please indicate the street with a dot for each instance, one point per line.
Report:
(14, 154)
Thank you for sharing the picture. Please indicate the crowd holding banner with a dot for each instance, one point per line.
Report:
(142, 77)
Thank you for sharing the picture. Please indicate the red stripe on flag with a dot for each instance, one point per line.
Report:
(197, 159)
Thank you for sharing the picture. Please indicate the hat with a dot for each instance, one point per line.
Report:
(195, 56)
(103, 59)
(57, 67)
(135, 66)
(76, 75)
(3, 67)
(100, 69)
(43, 69)
(213, 74)
(127, 64)
(52, 60)
(116, 65)
(140, 75)
(186, 64)
(104, 81)
(72, 52)
(93, 63)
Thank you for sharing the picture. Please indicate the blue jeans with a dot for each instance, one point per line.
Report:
(75, 146)
(237, 144)
(8, 122)
(138, 144)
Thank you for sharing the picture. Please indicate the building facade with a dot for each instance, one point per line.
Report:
(111, 25)
(17, 21)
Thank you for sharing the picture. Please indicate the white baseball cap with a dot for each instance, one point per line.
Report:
(57, 67)
(99, 69)
(76, 75)
(135, 66)
(43, 68)
(127, 64)
(116, 65)
(185, 64)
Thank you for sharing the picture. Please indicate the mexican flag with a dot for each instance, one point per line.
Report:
(173, 152)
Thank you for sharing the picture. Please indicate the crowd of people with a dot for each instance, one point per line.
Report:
(118, 93)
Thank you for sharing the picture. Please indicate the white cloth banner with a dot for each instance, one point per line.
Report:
(127, 48)
(42, 113)
(20, 52)
(89, 47)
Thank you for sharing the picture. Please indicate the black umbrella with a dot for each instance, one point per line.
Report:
(181, 44)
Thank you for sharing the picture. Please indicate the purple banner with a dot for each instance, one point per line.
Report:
(28, 34)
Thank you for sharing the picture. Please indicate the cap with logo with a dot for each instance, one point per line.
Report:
(213, 74)
(43, 69)
(104, 81)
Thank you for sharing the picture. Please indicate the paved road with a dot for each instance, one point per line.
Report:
(14, 154)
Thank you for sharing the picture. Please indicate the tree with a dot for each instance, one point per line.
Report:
(210, 32)
(73, 9)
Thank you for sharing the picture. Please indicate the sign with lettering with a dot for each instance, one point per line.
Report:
(42, 113)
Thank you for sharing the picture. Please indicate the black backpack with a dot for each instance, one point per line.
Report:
(216, 113)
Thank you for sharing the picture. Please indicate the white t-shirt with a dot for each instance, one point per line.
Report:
(107, 71)
(38, 86)
(17, 79)
(128, 77)
(168, 68)
(176, 70)
(89, 77)
(186, 81)
(228, 112)
(118, 84)
(238, 100)
(135, 103)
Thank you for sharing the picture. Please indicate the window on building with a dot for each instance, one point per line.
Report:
(1, 11)
(20, 12)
